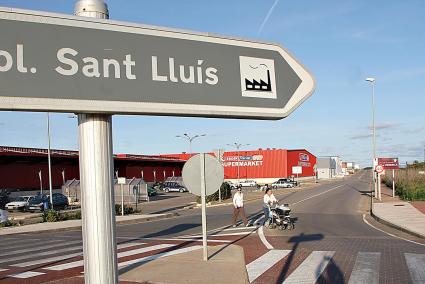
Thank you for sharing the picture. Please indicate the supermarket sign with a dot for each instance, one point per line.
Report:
(389, 163)
(243, 161)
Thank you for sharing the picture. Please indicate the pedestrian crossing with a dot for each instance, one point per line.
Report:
(34, 263)
(366, 267)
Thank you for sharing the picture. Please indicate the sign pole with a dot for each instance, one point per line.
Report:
(122, 200)
(379, 187)
(204, 209)
(96, 172)
(393, 183)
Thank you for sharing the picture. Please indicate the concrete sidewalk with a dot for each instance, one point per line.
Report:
(399, 214)
(76, 224)
(226, 264)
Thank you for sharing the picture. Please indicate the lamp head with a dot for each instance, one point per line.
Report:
(370, 79)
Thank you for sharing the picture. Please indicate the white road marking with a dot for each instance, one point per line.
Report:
(305, 199)
(159, 255)
(394, 236)
(256, 268)
(47, 260)
(67, 256)
(79, 263)
(191, 240)
(27, 274)
(257, 221)
(38, 248)
(224, 234)
(44, 253)
(252, 228)
(13, 245)
(311, 268)
(416, 265)
(3, 270)
(263, 238)
(366, 268)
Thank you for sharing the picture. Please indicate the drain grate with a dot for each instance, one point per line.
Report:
(399, 205)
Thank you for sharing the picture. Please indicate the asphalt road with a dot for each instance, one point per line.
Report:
(332, 241)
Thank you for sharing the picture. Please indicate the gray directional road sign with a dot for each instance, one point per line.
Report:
(52, 62)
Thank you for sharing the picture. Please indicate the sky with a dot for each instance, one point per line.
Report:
(340, 42)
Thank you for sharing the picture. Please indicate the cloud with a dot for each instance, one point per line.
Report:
(266, 19)
(413, 130)
(382, 126)
(403, 74)
(376, 35)
(361, 136)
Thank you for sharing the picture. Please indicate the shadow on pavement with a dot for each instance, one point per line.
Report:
(173, 230)
(332, 268)
(163, 196)
(331, 274)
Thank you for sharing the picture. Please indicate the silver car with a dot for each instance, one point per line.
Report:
(21, 203)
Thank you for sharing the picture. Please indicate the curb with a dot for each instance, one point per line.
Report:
(124, 222)
(392, 225)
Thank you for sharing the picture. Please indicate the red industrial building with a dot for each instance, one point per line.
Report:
(263, 165)
(21, 168)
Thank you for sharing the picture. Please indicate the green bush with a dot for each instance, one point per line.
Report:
(51, 215)
(76, 215)
(7, 224)
(410, 185)
(127, 209)
(226, 193)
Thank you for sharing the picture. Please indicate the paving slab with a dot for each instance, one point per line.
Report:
(226, 265)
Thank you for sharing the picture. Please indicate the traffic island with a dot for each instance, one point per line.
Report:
(226, 264)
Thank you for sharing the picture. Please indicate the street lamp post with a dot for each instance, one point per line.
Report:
(190, 139)
(49, 161)
(372, 81)
(238, 146)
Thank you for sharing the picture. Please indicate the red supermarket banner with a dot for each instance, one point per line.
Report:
(389, 163)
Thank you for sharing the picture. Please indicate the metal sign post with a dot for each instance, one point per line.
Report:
(121, 182)
(96, 172)
(203, 174)
(393, 183)
(204, 208)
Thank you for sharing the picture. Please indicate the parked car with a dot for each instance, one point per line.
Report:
(232, 185)
(174, 186)
(247, 183)
(152, 191)
(3, 216)
(21, 203)
(282, 183)
(4, 199)
(37, 203)
(60, 202)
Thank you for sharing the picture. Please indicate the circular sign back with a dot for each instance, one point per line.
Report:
(379, 169)
(214, 174)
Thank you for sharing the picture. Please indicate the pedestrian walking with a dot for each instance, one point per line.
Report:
(238, 208)
(268, 200)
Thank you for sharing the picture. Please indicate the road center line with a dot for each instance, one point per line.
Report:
(295, 203)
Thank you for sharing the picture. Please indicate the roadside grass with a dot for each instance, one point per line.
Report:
(410, 184)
